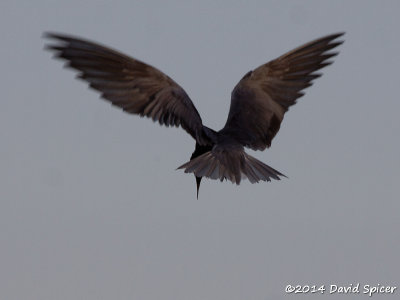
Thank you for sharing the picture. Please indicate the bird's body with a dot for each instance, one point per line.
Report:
(258, 102)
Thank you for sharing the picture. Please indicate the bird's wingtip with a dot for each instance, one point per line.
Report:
(49, 35)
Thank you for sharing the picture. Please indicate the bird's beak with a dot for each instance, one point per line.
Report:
(198, 180)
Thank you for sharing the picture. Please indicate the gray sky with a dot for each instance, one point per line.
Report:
(92, 207)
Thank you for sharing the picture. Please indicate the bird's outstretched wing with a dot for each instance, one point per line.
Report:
(130, 84)
(263, 95)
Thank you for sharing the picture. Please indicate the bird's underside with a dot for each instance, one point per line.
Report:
(258, 102)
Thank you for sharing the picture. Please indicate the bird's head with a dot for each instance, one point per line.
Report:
(198, 180)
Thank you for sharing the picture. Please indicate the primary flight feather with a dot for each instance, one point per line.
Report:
(258, 102)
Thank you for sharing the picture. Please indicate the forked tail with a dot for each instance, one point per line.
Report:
(232, 165)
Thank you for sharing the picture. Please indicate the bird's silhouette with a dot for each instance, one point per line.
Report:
(258, 102)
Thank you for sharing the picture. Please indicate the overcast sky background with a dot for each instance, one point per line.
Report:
(92, 207)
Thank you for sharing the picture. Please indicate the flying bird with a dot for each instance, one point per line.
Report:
(258, 102)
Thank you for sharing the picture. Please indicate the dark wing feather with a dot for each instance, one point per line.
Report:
(260, 100)
(130, 84)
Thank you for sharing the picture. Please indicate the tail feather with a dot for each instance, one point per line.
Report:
(230, 165)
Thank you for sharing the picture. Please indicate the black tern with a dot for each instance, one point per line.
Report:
(258, 102)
